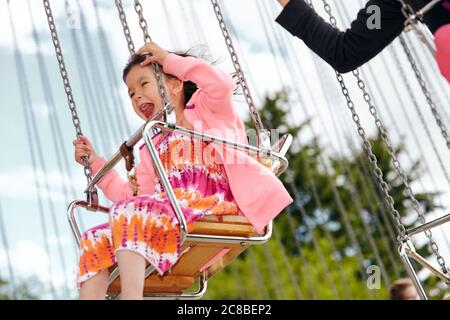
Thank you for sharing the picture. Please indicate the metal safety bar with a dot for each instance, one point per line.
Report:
(71, 214)
(276, 154)
(135, 138)
(412, 19)
(202, 287)
(418, 15)
(272, 154)
(410, 270)
(407, 251)
(429, 225)
(146, 131)
(422, 261)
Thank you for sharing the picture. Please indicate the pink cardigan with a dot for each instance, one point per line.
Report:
(259, 194)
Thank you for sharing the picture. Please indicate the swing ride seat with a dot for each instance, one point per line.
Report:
(211, 243)
(199, 257)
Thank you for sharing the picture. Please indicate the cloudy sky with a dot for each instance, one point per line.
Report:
(38, 177)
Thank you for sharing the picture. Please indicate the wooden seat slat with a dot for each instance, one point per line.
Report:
(156, 283)
(197, 254)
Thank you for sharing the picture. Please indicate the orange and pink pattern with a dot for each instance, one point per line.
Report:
(147, 224)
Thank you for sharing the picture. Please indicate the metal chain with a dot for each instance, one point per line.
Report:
(408, 12)
(261, 133)
(412, 16)
(372, 158)
(425, 91)
(126, 29)
(395, 161)
(367, 146)
(412, 19)
(416, 106)
(67, 87)
(132, 178)
(142, 22)
(156, 67)
(397, 166)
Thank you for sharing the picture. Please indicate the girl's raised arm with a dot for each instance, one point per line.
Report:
(216, 87)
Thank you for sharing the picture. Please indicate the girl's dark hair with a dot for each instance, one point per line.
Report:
(188, 86)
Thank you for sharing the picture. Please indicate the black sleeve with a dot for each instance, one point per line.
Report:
(344, 51)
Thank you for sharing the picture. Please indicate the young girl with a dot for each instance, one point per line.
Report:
(144, 228)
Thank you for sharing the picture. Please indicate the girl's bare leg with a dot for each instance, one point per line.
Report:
(132, 274)
(96, 287)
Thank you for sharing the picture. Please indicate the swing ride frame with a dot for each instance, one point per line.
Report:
(407, 250)
(406, 247)
(412, 22)
(263, 151)
(279, 165)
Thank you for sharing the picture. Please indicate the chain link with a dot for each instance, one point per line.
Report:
(397, 166)
(67, 86)
(366, 144)
(156, 67)
(142, 22)
(261, 133)
(412, 20)
(416, 106)
(372, 158)
(126, 29)
(408, 11)
(423, 86)
(409, 14)
(132, 178)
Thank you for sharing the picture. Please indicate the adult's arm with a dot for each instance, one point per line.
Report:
(343, 50)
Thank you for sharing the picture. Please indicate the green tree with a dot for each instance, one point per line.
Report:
(22, 291)
(310, 254)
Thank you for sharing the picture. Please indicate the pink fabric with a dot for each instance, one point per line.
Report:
(442, 41)
(259, 194)
(211, 261)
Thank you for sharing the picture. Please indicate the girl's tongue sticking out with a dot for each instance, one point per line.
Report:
(147, 109)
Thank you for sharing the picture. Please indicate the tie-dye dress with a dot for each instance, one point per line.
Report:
(147, 224)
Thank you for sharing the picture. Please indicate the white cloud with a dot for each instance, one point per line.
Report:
(64, 242)
(41, 110)
(29, 260)
(22, 22)
(21, 184)
(24, 27)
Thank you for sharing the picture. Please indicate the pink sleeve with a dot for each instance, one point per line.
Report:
(115, 188)
(215, 86)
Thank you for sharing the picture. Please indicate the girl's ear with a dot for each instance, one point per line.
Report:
(175, 86)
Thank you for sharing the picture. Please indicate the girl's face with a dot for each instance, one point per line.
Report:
(144, 94)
